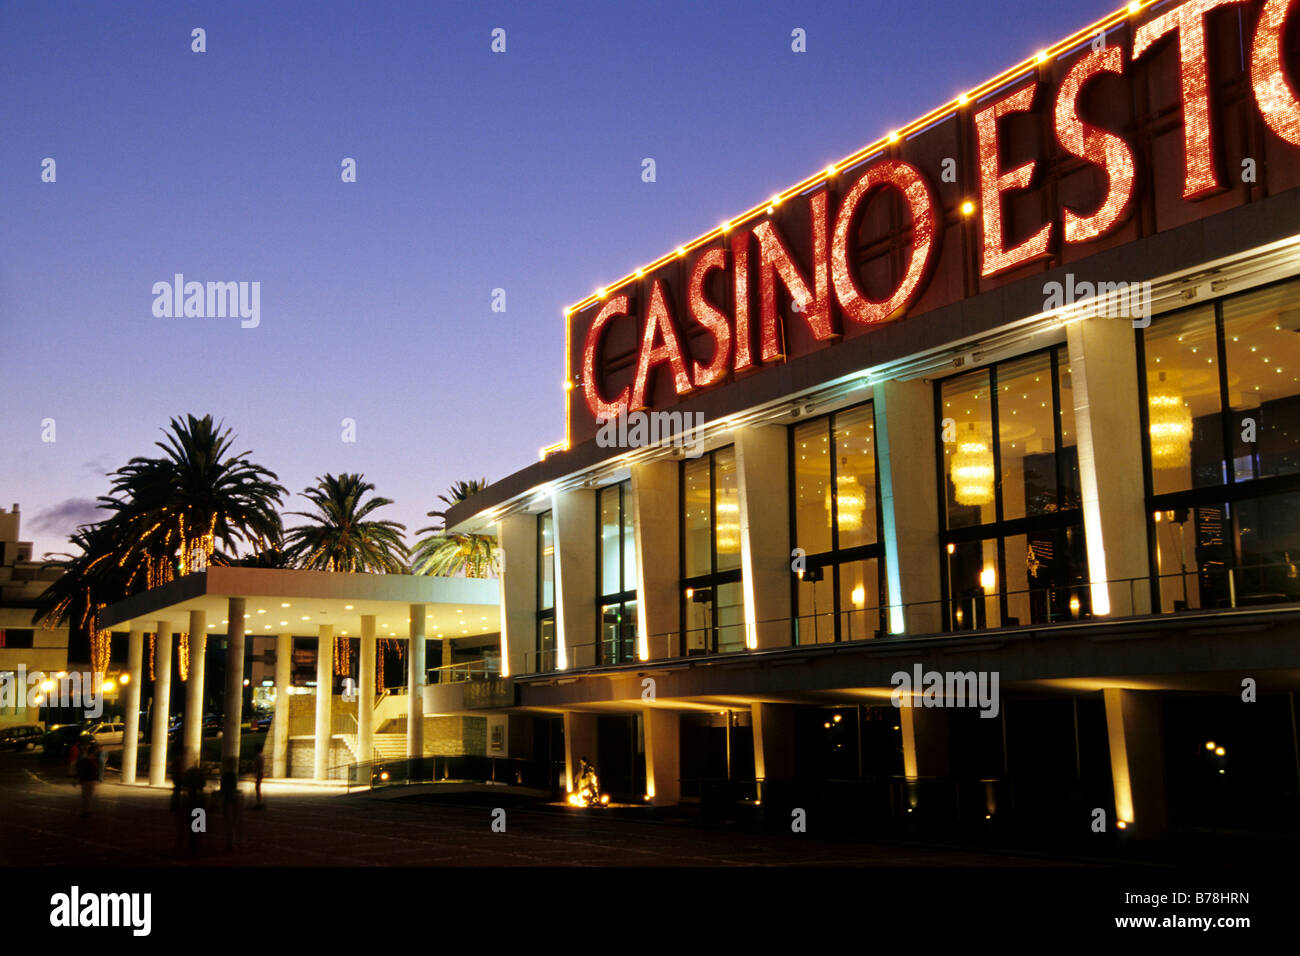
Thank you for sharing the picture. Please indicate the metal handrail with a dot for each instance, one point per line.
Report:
(1077, 597)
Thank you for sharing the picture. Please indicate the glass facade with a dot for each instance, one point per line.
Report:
(545, 654)
(616, 558)
(1013, 544)
(1221, 387)
(713, 612)
(836, 523)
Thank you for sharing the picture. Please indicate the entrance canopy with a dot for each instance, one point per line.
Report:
(278, 602)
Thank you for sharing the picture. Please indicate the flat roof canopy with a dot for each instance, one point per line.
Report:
(297, 602)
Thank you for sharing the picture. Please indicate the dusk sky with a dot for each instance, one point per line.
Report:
(475, 171)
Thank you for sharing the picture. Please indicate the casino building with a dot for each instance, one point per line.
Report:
(1010, 399)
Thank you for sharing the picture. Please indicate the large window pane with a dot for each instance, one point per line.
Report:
(859, 600)
(629, 541)
(699, 518)
(728, 509)
(968, 457)
(816, 596)
(1270, 550)
(1026, 436)
(1068, 496)
(973, 584)
(610, 550)
(730, 611)
(546, 561)
(855, 478)
(1261, 336)
(812, 476)
(1186, 436)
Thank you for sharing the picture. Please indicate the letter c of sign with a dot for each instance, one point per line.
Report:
(600, 408)
(909, 181)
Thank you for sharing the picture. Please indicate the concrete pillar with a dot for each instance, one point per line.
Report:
(280, 725)
(909, 507)
(232, 728)
(415, 685)
(773, 727)
(763, 480)
(1103, 373)
(579, 742)
(194, 690)
(366, 690)
(657, 525)
(517, 539)
(575, 577)
(162, 699)
(131, 732)
(1137, 762)
(663, 756)
(925, 741)
(324, 700)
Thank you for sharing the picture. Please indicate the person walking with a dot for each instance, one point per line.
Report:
(101, 756)
(74, 753)
(259, 769)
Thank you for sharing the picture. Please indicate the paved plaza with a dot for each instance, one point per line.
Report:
(41, 824)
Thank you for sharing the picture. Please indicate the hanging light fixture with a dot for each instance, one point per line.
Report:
(850, 500)
(728, 526)
(1171, 426)
(972, 469)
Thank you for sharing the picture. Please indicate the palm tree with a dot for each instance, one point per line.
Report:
(447, 554)
(338, 537)
(196, 497)
(186, 501)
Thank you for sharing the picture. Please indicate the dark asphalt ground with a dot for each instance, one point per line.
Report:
(41, 825)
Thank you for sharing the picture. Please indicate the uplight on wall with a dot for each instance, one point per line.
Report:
(972, 469)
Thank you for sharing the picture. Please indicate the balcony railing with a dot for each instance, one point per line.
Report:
(1207, 588)
(483, 669)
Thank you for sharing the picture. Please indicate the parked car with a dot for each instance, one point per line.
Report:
(260, 724)
(24, 737)
(212, 725)
(107, 733)
(61, 737)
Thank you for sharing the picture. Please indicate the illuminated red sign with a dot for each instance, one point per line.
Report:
(794, 277)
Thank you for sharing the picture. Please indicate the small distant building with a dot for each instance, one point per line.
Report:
(24, 646)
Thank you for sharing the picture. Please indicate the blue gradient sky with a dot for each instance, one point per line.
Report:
(475, 171)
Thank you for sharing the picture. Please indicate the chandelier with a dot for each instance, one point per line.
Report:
(1171, 426)
(728, 526)
(972, 470)
(850, 501)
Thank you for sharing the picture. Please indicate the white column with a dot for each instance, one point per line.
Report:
(656, 524)
(415, 685)
(517, 538)
(1137, 763)
(1103, 372)
(905, 447)
(131, 732)
(162, 694)
(324, 698)
(280, 725)
(366, 690)
(231, 731)
(763, 473)
(575, 577)
(194, 690)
